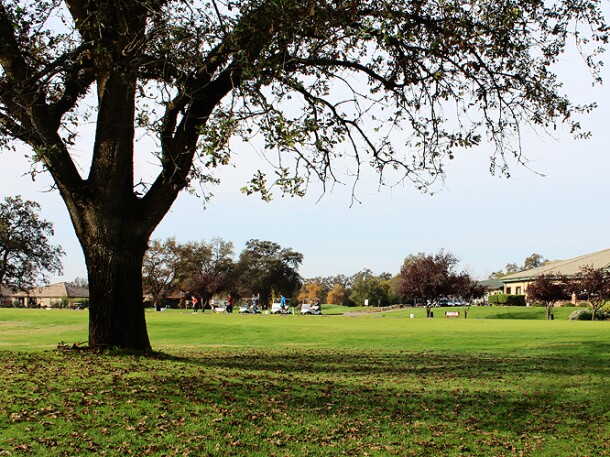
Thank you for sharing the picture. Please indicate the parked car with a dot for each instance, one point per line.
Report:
(440, 302)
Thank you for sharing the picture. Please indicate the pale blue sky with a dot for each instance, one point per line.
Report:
(485, 221)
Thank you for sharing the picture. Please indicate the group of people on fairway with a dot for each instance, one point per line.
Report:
(229, 304)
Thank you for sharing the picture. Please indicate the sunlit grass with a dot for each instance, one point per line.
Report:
(379, 385)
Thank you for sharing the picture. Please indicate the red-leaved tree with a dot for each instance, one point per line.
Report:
(594, 283)
(548, 289)
(428, 277)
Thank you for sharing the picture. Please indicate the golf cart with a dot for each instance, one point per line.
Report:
(248, 307)
(276, 308)
(218, 308)
(311, 306)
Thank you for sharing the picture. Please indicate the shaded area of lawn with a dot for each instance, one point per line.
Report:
(285, 402)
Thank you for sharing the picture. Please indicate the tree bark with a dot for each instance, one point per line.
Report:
(117, 307)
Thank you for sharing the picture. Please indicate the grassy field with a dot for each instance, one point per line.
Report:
(501, 383)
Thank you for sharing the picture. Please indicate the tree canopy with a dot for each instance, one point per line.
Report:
(428, 277)
(26, 253)
(534, 260)
(265, 268)
(161, 269)
(369, 289)
(548, 289)
(211, 273)
(469, 290)
(400, 86)
(594, 285)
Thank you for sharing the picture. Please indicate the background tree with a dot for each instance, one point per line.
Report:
(312, 289)
(337, 295)
(264, 267)
(548, 289)
(26, 253)
(315, 81)
(512, 268)
(80, 282)
(368, 287)
(343, 280)
(212, 270)
(160, 269)
(496, 274)
(428, 277)
(469, 290)
(594, 283)
(392, 284)
(533, 261)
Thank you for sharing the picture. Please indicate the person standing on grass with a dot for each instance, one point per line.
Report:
(283, 303)
(230, 304)
(195, 304)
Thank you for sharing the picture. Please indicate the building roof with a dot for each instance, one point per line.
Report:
(492, 284)
(59, 290)
(600, 259)
(6, 295)
(6, 291)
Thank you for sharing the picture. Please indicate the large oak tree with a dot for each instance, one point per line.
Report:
(398, 85)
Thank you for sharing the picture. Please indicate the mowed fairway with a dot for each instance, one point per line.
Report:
(379, 384)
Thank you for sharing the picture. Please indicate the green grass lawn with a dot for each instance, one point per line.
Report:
(376, 384)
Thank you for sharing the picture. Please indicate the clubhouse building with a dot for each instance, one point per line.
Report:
(516, 283)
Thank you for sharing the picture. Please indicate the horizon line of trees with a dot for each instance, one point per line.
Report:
(265, 269)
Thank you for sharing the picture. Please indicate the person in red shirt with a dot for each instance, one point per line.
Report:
(230, 304)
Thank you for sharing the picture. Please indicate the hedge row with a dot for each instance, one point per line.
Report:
(505, 299)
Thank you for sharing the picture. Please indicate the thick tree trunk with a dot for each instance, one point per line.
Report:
(114, 225)
(117, 309)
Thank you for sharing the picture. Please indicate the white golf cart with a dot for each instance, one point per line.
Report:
(311, 306)
(248, 307)
(276, 308)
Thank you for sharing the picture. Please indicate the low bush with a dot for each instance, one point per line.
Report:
(580, 315)
(507, 300)
(586, 314)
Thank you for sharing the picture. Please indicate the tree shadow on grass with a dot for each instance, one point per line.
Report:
(507, 394)
(568, 360)
(293, 399)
